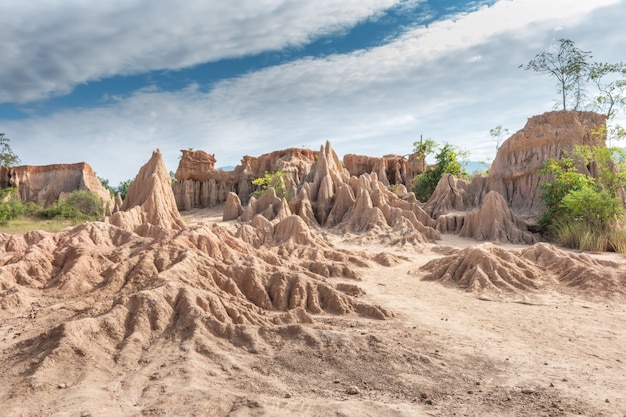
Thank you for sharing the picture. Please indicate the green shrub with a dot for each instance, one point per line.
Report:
(585, 212)
(81, 205)
(596, 208)
(447, 158)
(10, 205)
(274, 180)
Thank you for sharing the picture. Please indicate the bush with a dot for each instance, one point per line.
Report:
(584, 212)
(10, 205)
(425, 183)
(81, 205)
(595, 208)
(271, 180)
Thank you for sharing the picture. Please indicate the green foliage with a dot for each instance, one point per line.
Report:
(592, 207)
(566, 178)
(10, 205)
(425, 147)
(274, 180)
(81, 205)
(609, 164)
(569, 66)
(498, 133)
(7, 157)
(78, 206)
(583, 212)
(448, 162)
(105, 184)
(123, 188)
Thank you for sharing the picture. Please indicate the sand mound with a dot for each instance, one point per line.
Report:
(201, 277)
(485, 267)
(489, 268)
(578, 272)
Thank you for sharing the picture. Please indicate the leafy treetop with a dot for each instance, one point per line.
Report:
(7, 157)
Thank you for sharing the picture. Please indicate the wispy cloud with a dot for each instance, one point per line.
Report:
(377, 101)
(50, 47)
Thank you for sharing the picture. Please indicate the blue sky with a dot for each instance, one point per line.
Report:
(109, 82)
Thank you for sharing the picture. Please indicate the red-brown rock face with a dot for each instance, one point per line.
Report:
(390, 169)
(195, 165)
(515, 170)
(199, 185)
(45, 184)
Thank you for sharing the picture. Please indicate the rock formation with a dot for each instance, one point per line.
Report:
(46, 184)
(504, 205)
(199, 185)
(494, 221)
(514, 172)
(390, 169)
(195, 165)
(329, 197)
(149, 200)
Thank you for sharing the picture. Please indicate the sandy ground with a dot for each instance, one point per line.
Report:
(445, 352)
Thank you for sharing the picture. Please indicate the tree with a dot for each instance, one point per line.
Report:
(105, 184)
(425, 147)
(610, 82)
(123, 188)
(7, 157)
(569, 66)
(447, 159)
(499, 133)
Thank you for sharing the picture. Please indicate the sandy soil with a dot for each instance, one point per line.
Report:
(445, 352)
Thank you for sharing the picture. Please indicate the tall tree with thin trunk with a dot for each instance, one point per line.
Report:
(569, 66)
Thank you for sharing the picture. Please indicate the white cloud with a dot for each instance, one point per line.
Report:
(49, 47)
(370, 102)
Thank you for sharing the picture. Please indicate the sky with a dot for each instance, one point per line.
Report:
(109, 82)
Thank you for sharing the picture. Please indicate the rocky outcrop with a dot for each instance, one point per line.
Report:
(149, 201)
(47, 183)
(195, 165)
(328, 196)
(200, 185)
(515, 171)
(390, 169)
(504, 205)
(494, 221)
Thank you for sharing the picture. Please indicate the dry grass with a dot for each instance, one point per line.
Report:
(584, 237)
(26, 224)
